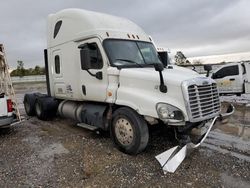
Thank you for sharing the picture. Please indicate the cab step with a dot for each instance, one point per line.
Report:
(86, 126)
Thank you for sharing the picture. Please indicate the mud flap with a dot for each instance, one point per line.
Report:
(172, 158)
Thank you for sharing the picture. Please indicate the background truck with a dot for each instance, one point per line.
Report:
(233, 78)
(104, 72)
(163, 55)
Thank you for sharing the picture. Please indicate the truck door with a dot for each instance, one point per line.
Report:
(246, 76)
(93, 81)
(57, 74)
(229, 79)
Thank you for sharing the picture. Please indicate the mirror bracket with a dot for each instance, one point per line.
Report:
(98, 75)
(159, 67)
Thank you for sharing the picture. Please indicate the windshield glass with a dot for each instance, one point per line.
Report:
(126, 53)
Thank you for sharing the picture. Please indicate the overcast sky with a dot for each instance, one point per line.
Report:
(196, 27)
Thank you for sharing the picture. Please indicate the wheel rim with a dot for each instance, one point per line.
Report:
(38, 109)
(124, 131)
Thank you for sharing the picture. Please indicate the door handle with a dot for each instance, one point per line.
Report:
(84, 89)
(232, 79)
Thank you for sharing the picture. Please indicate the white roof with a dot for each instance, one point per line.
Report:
(78, 24)
(214, 59)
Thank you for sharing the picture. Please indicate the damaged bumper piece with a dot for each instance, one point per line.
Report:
(172, 158)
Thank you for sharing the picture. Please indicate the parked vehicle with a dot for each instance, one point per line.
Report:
(233, 78)
(104, 72)
(163, 54)
(9, 112)
(6, 111)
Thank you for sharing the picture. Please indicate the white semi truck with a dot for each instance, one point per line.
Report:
(104, 72)
(233, 78)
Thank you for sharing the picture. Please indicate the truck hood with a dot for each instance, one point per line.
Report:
(139, 88)
(173, 76)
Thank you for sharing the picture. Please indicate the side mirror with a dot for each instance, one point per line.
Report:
(98, 75)
(85, 59)
(207, 67)
(159, 67)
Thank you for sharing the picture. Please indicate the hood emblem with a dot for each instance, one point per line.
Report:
(205, 83)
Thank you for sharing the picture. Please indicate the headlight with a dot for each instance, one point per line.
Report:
(163, 112)
(169, 112)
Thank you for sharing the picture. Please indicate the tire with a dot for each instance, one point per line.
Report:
(238, 94)
(45, 108)
(29, 104)
(129, 131)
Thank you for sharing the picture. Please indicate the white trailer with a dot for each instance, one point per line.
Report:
(104, 72)
(233, 78)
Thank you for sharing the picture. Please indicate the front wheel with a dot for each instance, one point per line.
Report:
(129, 131)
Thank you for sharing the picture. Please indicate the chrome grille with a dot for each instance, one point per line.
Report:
(203, 100)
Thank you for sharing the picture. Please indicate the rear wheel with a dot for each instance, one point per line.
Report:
(45, 108)
(29, 104)
(129, 131)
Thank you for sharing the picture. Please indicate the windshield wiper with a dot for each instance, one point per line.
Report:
(151, 64)
(129, 61)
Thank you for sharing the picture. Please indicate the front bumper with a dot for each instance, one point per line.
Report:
(172, 158)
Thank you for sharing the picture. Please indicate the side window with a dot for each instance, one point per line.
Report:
(57, 64)
(95, 56)
(57, 28)
(226, 71)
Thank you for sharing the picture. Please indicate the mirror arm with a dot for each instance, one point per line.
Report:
(95, 75)
(163, 87)
(159, 67)
(208, 73)
(90, 73)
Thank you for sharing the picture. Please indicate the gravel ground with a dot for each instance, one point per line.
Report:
(59, 154)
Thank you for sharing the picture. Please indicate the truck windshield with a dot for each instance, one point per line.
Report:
(126, 53)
